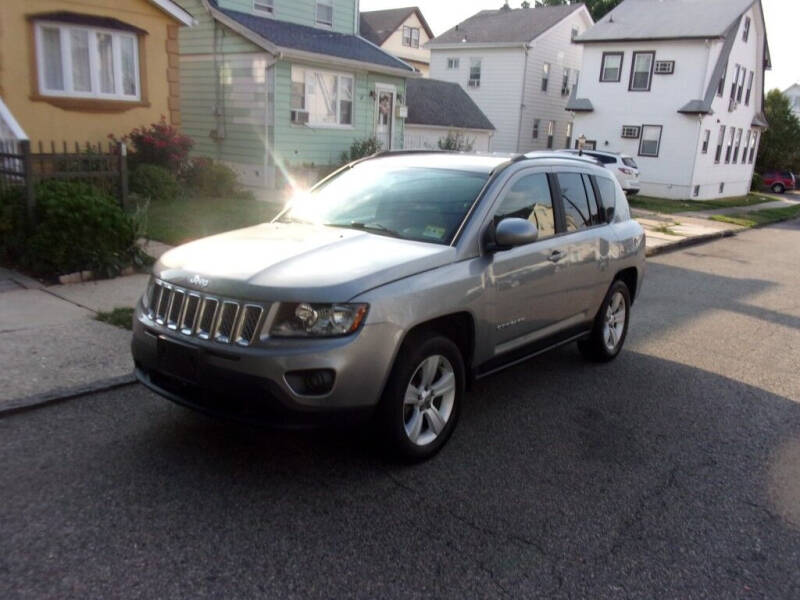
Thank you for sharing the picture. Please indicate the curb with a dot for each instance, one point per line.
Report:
(690, 241)
(19, 405)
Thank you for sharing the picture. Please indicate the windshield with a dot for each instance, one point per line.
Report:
(413, 203)
(629, 162)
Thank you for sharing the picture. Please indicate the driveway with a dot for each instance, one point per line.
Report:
(671, 473)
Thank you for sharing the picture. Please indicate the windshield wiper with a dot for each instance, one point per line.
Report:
(371, 227)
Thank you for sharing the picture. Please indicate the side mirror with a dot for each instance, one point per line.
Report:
(610, 214)
(513, 232)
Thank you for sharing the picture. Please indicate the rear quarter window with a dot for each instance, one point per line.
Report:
(629, 162)
(611, 194)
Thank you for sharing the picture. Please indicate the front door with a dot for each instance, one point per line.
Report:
(384, 125)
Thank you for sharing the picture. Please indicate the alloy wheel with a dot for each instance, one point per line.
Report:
(614, 324)
(429, 400)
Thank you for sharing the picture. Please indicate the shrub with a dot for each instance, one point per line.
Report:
(360, 149)
(159, 144)
(758, 182)
(13, 223)
(457, 142)
(80, 228)
(208, 178)
(154, 182)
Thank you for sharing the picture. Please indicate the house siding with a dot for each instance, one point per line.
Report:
(306, 146)
(43, 121)
(303, 12)
(681, 167)
(556, 48)
(500, 92)
(201, 39)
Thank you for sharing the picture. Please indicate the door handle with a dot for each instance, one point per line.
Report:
(555, 256)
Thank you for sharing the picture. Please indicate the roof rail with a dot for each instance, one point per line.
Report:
(403, 152)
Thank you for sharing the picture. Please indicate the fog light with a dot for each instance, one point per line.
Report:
(316, 382)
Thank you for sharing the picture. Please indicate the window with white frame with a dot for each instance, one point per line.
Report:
(738, 146)
(641, 71)
(746, 146)
(729, 148)
(322, 98)
(475, 72)
(611, 68)
(650, 143)
(411, 36)
(735, 82)
(545, 76)
(264, 7)
(746, 30)
(749, 89)
(453, 64)
(551, 129)
(565, 82)
(721, 86)
(568, 142)
(753, 144)
(536, 129)
(574, 33)
(324, 14)
(741, 85)
(87, 62)
(706, 140)
(720, 143)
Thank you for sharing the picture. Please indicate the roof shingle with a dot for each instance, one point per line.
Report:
(442, 104)
(506, 25)
(312, 39)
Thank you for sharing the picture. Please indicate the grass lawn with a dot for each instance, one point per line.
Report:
(664, 205)
(178, 221)
(760, 217)
(119, 317)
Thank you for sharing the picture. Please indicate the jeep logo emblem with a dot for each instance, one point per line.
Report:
(199, 281)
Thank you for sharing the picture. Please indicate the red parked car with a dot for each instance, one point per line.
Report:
(779, 181)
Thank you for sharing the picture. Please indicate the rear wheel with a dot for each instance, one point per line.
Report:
(778, 188)
(610, 325)
(421, 403)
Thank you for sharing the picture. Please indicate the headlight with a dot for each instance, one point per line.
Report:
(318, 320)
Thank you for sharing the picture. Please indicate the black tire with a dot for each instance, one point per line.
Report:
(778, 188)
(594, 347)
(392, 410)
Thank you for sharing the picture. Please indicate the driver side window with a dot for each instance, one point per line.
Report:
(529, 198)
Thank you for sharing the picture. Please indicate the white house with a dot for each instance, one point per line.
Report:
(437, 109)
(793, 94)
(680, 85)
(519, 66)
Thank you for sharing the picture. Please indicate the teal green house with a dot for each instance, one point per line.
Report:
(278, 89)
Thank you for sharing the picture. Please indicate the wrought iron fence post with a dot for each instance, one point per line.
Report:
(30, 190)
(123, 174)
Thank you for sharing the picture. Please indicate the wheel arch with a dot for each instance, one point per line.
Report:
(630, 277)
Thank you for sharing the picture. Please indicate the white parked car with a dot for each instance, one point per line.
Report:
(622, 166)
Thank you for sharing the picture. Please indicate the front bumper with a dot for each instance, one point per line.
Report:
(250, 383)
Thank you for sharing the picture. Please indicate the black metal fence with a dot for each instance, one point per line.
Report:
(103, 164)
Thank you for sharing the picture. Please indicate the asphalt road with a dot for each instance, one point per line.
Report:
(672, 473)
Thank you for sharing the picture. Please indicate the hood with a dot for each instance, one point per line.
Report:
(297, 262)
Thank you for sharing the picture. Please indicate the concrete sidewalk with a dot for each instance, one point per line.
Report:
(51, 345)
(670, 232)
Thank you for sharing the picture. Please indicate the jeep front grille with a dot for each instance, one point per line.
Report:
(204, 316)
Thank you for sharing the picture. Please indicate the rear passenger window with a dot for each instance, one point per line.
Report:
(575, 200)
(529, 198)
(608, 192)
(593, 203)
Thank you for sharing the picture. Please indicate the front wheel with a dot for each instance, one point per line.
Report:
(610, 325)
(421, 403)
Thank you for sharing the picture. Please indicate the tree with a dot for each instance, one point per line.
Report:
(597, 8)
(525, 4)
(456, 142)
(779, 147)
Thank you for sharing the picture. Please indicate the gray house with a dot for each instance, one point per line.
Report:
(438, 108)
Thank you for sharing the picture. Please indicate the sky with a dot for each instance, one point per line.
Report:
(782, 16)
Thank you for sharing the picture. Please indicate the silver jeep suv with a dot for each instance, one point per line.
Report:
(389, 286)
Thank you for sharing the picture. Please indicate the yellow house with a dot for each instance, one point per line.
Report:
(79, 70)
(402, 32)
